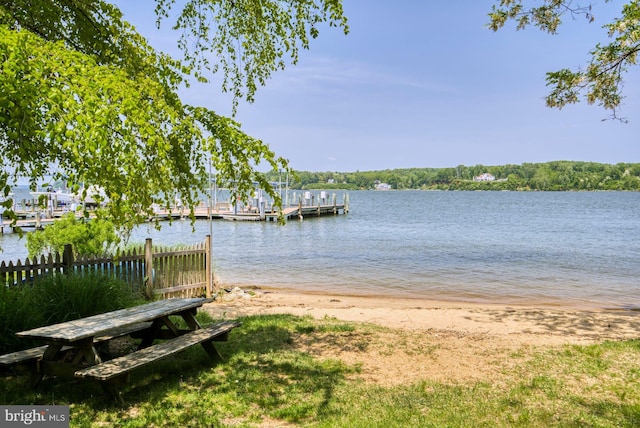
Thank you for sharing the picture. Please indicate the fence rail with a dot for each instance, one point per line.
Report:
(154, 271)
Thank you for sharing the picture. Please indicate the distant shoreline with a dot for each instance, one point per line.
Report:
(547, 176)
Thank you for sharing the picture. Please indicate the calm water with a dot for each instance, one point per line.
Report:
(505, 247)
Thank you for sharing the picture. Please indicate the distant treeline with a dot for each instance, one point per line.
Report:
(549, 176)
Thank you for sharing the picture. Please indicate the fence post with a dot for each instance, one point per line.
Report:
(67, 259)
(209, 269)
(148, 266)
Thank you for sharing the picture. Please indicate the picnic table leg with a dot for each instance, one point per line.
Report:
(189, 318)
(112, 390)
(193, 324)
(48, 355)
(87, 350)
(164, 328)
(154, 332)
(150, 334)
(211, 350)
(171, 326)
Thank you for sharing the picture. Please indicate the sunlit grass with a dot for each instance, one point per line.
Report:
(269, 378)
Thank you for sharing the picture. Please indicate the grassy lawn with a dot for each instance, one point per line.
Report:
(269, 379)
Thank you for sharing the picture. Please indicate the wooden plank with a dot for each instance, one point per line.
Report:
(122, 331)
(72, 331)
(22, 356)
(33, 354)
(200, 285)
(122, 365)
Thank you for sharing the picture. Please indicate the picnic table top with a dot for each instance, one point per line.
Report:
(75, 330)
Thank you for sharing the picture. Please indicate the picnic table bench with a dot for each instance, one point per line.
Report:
(33, 355)
(71, 346)
(113, 369)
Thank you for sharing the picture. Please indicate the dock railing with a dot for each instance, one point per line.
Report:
(153, 271)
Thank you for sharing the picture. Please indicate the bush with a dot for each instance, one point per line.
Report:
(16, 314)
(64, 297)
(87, 237)
(58, 298)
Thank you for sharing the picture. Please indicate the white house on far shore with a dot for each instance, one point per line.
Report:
(484, 177)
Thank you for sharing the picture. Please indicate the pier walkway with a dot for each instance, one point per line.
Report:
(289, 213)
(32, 219)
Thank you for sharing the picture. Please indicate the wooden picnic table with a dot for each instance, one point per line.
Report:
(71, 346)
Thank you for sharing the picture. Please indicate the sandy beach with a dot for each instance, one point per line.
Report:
(446, 340)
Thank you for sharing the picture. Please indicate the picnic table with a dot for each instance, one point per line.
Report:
(71, 347)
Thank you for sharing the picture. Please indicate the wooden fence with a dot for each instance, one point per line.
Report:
(155, 271)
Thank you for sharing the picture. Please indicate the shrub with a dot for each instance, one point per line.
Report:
(58, 298)
(15, 314)
(87, 237)
(64, 297)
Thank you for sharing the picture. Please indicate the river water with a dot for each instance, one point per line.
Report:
(552, 248)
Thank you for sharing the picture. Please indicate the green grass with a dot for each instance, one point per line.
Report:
(272, 377)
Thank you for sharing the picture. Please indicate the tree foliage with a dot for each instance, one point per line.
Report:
(599, 82)
(242, 33)
(84, 98)
(87, 238)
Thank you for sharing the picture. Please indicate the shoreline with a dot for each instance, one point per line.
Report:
(504, 324)
(443, 299)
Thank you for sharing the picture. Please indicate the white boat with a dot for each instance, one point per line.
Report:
(93, 194)
(61, 197)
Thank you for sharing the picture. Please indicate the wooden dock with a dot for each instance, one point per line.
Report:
(32, 219)
(289, 213)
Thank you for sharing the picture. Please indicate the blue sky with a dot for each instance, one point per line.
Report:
(424, 84)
